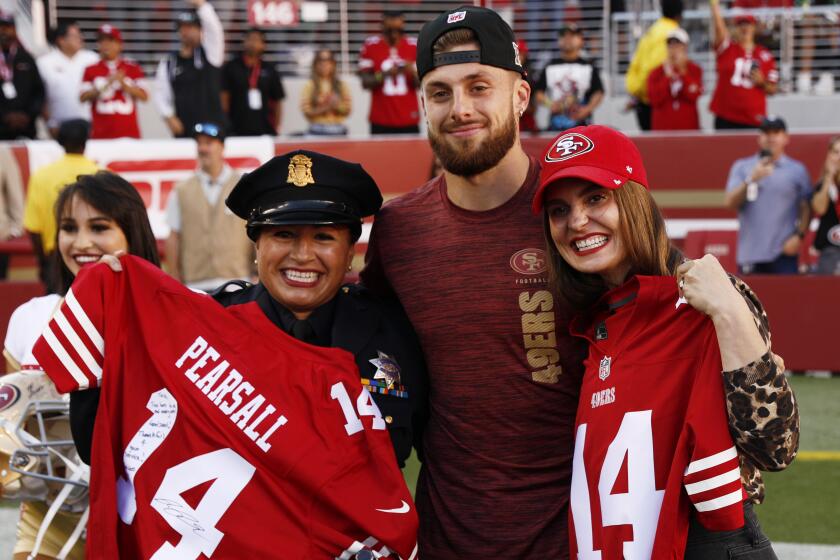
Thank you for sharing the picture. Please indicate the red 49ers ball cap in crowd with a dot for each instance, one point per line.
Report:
(108, 30)
(595, 153)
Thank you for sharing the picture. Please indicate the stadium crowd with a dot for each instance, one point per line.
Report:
(489, 403)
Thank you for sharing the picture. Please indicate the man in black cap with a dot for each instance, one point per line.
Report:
(464, 255)
(207, 245)
(21, 88)
(188, 81)
(570, 85)
(304, 212)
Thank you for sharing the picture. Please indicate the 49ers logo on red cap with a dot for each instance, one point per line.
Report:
(569, 146)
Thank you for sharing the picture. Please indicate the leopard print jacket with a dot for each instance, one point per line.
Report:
(763, 415)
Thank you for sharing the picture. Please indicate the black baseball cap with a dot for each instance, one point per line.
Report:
(305, 188)
(211, 129)
(570, 28)
(495, 37)
(189, 17)
(772, 123)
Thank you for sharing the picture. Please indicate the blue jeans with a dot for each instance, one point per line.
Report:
(784, 264)
(746, 543)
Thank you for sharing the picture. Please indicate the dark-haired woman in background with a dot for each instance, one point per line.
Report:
(325, 99)
(98, 215)
(825, 204)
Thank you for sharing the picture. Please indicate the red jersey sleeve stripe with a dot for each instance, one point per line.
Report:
(66, 362)
(713, 482)
(722, 502)
(85, 322)
(711, 461)
(93, 365)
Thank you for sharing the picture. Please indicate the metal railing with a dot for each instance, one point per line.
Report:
(805, 39)
(148, 26)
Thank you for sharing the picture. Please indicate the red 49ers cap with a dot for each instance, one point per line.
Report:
(108, 30)
(595, 153)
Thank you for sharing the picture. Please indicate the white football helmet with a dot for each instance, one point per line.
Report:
(38, 461)
(37, 455)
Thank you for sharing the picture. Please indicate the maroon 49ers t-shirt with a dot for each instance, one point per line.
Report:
(504, 372)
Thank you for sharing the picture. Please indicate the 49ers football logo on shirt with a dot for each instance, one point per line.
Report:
(569, 146)
(529, 261)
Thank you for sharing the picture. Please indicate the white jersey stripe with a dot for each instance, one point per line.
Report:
(78, 345)
(714, 482)
(711, 461)
(413, 553)
(722, 502)
(65, 359)
(85, 321)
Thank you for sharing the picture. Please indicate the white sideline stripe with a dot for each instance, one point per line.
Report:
(722, 502)
(85, 321)
(77, 343)
(65, 358)
(711, 460)
(714, 482)
(679, 227)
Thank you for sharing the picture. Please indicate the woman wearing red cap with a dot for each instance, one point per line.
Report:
(656, 473)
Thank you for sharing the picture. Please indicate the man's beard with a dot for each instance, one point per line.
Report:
(467, 162)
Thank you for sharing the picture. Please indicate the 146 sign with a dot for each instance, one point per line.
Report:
(276, 13)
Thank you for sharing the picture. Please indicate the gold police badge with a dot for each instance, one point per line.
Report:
(300, 171)
(387, 369)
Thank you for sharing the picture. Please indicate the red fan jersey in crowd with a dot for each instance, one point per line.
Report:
(673, 99)
(651, 440)
(736, 98)
(394, 102)
(114, 112)
(218, 435)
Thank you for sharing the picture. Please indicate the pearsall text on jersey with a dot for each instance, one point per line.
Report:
(206, 377)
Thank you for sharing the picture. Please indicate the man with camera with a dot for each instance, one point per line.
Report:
(771, 193)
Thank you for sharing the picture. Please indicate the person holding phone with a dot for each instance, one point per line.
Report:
(771, 193)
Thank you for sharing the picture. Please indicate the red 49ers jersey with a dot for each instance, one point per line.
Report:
(114, 112)
(217, 435)
(651, 436)
(736, 98)
(394, 103)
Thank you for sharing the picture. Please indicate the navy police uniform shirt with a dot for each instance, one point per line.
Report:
(382, 342)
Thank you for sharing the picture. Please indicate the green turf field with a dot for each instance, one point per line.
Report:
(803, 502)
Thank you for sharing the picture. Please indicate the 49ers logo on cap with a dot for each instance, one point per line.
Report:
(456, 17)
(834, 235)
(9, 395)
(569, 146)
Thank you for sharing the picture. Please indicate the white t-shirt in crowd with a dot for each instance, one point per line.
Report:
(62, 78)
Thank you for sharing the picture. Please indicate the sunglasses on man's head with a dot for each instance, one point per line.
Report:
(208, 129)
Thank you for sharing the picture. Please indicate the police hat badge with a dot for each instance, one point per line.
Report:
(300, 171)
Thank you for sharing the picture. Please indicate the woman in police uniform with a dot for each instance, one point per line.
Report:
(304, 213)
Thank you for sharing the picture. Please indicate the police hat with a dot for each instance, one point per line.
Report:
(305, 188)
